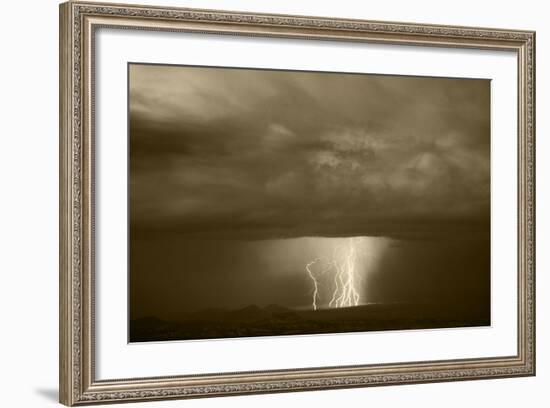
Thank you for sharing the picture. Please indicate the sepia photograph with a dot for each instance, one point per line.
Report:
(264, 202)
(276, 202)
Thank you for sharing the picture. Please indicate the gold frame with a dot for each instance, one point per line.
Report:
(78, 21)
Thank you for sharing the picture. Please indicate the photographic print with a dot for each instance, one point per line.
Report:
(341, 203)
(276, 202)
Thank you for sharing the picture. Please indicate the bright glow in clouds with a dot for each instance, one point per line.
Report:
(343, 273)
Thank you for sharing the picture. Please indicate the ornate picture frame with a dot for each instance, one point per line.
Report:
(79, 22)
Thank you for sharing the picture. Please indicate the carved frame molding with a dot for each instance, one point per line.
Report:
(78, 22)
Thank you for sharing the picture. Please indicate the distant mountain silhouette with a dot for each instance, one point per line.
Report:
(251, 313)
(274, 319)
(276, 309)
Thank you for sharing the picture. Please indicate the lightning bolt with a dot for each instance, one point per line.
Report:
(346, 275)
(315, 281)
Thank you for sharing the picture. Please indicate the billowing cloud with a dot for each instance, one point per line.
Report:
(240, 153)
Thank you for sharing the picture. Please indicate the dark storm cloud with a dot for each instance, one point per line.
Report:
(260, 154)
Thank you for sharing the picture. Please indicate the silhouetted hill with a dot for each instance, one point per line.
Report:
(276, 309)
(274, 319)
(250, 313)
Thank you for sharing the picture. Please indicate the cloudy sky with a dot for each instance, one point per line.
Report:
(225, 164)
(265, 154)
